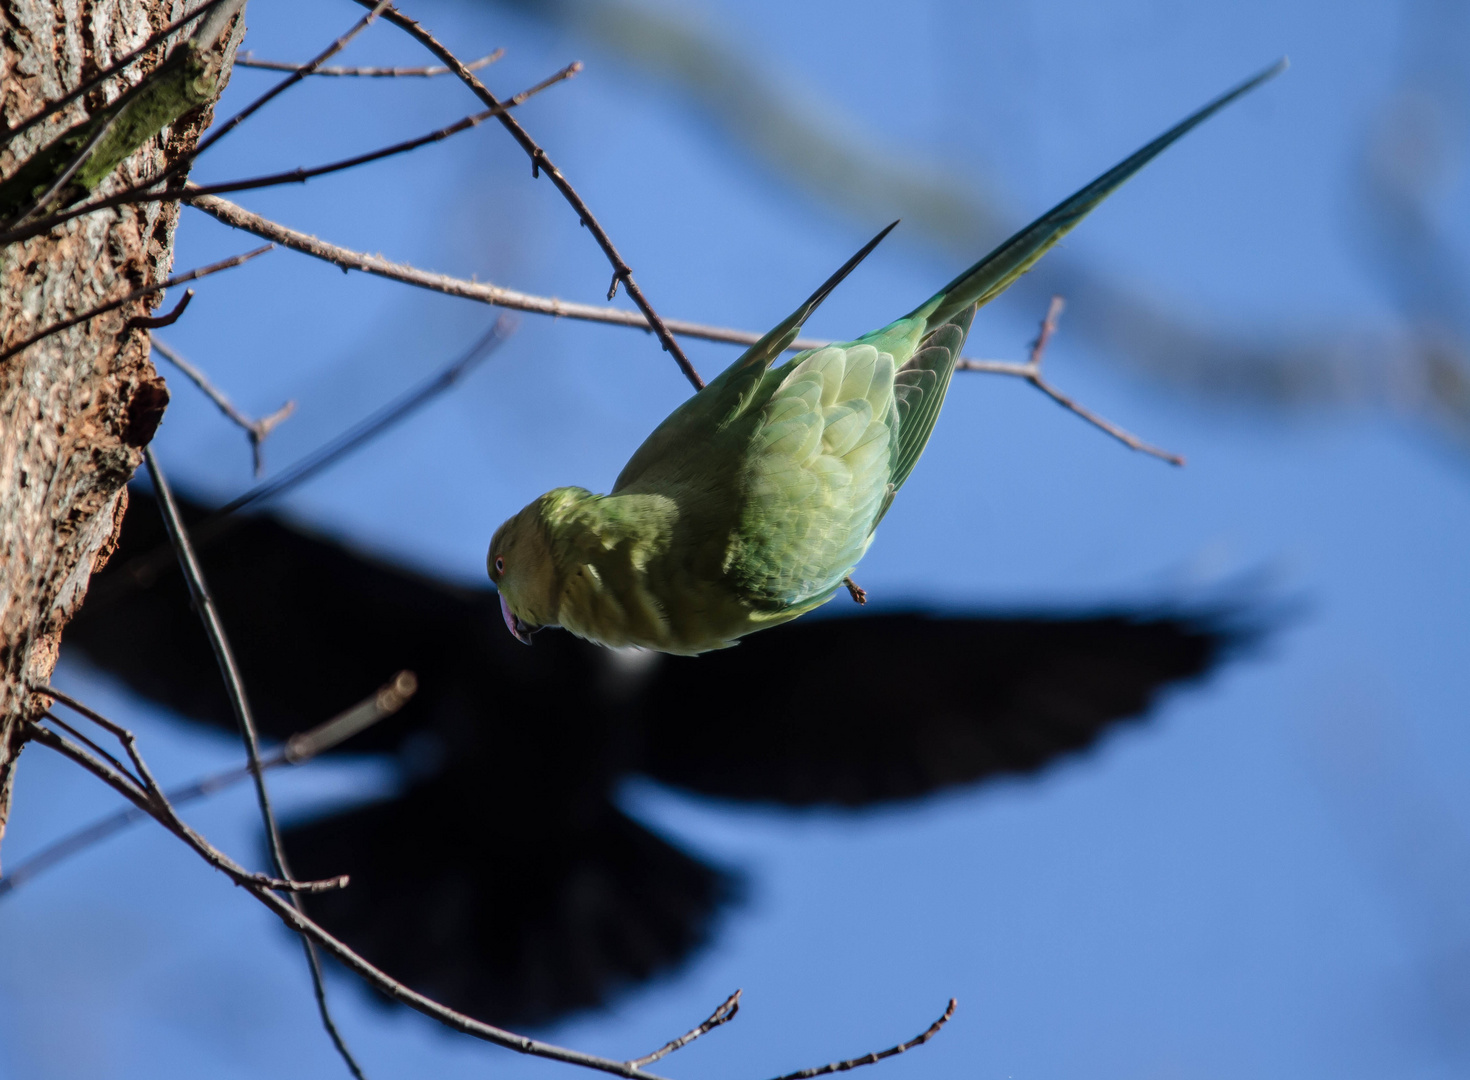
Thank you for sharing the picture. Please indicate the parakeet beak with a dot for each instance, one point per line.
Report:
(518, 626)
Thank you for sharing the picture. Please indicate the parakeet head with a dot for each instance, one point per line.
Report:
(522, 568)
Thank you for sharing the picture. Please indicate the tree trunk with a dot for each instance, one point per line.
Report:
(77, 407)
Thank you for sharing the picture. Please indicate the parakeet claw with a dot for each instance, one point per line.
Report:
(518, 626)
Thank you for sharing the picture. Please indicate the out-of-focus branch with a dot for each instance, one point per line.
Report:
(541, 163)
(248, 60)
(255, 430)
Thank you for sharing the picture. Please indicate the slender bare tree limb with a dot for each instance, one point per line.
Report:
(874, 1058)
(484, 292)
(541, 163)
(240, 702)
(291, 915)
(255, 430)
(248, 60)
(725, 1013)
(1031, 372)
(136, 294)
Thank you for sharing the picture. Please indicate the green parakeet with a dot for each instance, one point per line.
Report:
(756, 498)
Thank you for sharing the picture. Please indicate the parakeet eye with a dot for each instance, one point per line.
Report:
(499, 564)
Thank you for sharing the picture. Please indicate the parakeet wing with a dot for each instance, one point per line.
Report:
(686, 434)
(817, 474)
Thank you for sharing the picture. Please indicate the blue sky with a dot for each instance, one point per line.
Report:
(1268, 880)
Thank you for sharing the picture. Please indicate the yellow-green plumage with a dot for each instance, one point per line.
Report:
(754, 499)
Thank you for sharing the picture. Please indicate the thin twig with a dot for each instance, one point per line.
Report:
(240, 703)
(116, 68)
(149, 322)
(99, 751)
(255, 430)
(725, 1013)
(299, 749)
(136, 294)
(295, 920)
(249, 61)
(374, 10)
(483, 292)
(1031, 372)
(874, 1058)
(541, 163)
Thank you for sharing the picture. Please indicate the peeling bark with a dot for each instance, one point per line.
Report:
(77, 407)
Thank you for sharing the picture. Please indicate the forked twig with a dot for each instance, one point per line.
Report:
(248, 60)
(255, 430)
(136, 294)
(299, 749)
(874, 1058)
(240, 703)
(1031, 372)
(725, 1013)
(622, 272)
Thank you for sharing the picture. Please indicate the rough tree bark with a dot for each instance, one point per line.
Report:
(77, 407)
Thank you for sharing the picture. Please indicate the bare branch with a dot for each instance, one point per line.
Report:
(1031, 372)
(300, 748)
(723, 1014)
(255, 430)
(235, 686)
(874, 1058)
(539, 163)
(148, 322)
(136, 294)
(248, 60)
(481, 291)
(291, 915)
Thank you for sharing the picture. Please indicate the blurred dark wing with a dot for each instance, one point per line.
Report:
(855, 711)
(315, 626)
(510, 917)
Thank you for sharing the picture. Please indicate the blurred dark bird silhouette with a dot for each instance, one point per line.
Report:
(502, 878)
